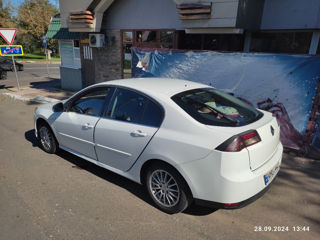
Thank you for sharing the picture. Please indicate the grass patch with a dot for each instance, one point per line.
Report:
(35, 57)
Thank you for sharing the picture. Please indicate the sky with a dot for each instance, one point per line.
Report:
(16, 3)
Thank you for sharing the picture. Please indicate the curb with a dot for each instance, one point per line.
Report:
(37, 99)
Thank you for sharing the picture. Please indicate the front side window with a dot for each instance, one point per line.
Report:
(133, 107)
(212, 107)
(91, 103)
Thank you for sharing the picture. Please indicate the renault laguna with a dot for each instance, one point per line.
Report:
(186, 142)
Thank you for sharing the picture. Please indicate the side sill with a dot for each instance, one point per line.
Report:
(100, 164)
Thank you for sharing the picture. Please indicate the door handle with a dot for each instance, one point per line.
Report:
(138, 133)
(87, 126)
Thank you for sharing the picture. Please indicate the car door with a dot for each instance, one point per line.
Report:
(75, 126)
(130, 122)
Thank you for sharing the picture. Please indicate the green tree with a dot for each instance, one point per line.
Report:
(5, 16)
(6, 20)
(33, 19)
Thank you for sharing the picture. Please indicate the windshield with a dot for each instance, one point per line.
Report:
(212, 107)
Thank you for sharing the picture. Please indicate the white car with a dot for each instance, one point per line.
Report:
(184, 140)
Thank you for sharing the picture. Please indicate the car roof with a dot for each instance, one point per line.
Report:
(155, 86)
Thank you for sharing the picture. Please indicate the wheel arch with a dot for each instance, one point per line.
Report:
(150, 162)
(40, 121)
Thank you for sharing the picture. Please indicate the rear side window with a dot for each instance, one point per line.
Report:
(152, 115)
(212, 107)
(130, 106)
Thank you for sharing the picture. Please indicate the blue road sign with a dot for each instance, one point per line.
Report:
(12, 50)
(44, 43)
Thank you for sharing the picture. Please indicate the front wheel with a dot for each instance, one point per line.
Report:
(47, 139)
(167, 188)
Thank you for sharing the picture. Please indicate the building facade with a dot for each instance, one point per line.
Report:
(277, 26)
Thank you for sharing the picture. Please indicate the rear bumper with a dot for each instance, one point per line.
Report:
(226, 178)
(242, 204)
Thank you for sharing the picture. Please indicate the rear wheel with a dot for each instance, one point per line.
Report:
(167, 188)
(47, 139)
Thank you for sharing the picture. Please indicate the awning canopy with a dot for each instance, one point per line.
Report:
(56, 32)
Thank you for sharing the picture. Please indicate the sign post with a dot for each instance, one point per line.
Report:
(15, 71)
(44, 43)
(8, 35)
(13, 50)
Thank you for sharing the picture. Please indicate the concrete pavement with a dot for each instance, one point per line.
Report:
(35, 84)
(45, 196)
(33, 73)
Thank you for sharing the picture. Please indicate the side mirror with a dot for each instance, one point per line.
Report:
(58, 107)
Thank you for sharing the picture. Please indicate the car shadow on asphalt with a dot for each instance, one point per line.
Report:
(134, 188)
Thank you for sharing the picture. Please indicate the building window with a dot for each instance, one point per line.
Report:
(70, 54)
(155, 38)
(214, 42)
(146, 36)
(76, 53)
(127, 37)
(189, 41)
(281, 42)
(166, 39)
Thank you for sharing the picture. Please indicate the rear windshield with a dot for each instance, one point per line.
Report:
(212, 107)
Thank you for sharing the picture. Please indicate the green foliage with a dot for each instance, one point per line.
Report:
(32, 19)
(6, 19)
(28, 42)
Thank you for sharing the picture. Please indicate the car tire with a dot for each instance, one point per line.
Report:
(20, 68)
(167, 188)
(47, 139)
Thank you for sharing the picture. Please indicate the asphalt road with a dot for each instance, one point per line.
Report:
(45, 196)
(34, 73)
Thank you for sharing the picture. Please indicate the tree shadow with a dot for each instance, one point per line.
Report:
(49, 84)
(52, 85)
(5, 87)
(134, 188)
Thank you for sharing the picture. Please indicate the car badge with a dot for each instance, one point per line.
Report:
(272, 130)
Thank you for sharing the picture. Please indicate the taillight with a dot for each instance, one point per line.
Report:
(231, 205)
(239, 142)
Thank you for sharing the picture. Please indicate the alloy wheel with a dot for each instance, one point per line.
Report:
(45, 138)
(164, 188)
